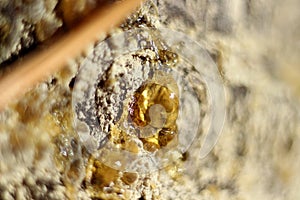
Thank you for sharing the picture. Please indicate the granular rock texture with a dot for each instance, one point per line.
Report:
(25, 23)
(255, 46)
(114, 85)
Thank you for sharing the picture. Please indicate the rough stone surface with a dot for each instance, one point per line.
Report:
(25, 23)
(256, 47)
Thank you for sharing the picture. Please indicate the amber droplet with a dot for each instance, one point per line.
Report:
(154, 104)
(166, 135)
(129, 177)
(154, 107)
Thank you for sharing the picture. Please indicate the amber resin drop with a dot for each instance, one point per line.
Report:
(154, 111)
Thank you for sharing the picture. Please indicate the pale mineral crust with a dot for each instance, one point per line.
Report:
(257, 156)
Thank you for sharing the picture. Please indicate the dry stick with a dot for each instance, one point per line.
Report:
(38, 66)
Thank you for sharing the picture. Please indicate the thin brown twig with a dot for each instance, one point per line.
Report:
(38, 66)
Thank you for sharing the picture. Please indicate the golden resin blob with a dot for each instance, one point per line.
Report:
(154, 110)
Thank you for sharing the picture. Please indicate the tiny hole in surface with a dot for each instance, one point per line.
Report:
(72, 82)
